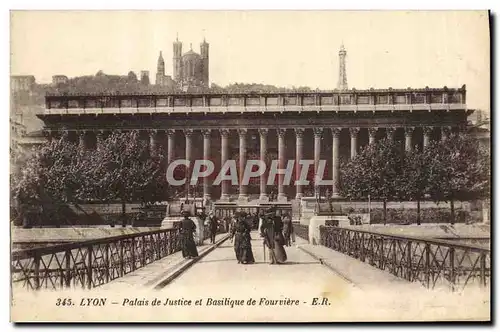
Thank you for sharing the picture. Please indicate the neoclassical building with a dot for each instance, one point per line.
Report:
(288, 125)
(320, 125)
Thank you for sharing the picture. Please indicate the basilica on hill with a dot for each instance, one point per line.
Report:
(190, 69)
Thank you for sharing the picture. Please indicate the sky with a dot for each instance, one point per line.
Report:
(283, 48)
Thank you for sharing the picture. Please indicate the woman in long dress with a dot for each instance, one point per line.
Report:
(287, 229)
(187, 228)
(272, 232)
(242, 240)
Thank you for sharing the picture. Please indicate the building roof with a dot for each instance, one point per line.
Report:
(272, 92)
(191, 54)
(23, 76)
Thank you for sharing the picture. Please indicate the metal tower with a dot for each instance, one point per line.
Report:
(342, 83)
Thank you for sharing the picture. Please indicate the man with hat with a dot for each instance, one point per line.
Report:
(187, 228)
(213, 225)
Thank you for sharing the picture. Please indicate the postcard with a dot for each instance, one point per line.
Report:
(250, 166)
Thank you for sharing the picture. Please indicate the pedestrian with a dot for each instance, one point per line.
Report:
(261, 220)
(242, 240)
(187, 229)
(232, 221)
(272, 232)
(287, 229)
(255, 221)
(225, 224)
(214, 225)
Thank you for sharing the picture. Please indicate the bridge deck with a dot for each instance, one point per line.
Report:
(354, 291)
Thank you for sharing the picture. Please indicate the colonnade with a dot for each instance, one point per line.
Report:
(263, 135)
(299, 152)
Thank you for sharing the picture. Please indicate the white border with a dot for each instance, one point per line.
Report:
(184, 4)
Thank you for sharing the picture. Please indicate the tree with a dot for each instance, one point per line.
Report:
(61, 173)
(50, 179)
(414, 182)
(459, 170)
(375, 171)
(125, 171)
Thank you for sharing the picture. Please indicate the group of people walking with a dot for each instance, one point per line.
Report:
(275, 230)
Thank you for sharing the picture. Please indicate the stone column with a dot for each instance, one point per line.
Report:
(427, 135)
(372, 133)
(188, 133)
(206, 155)
(153, 144)
(224, 135)
(317, 153)
(263, 153)
(281, 163)
(390, 133)
(335, 160)
(354, 141)
(243, 160)
(408, 137)
(170, 147)
(299, 151)
(445, 132)
(81, 139)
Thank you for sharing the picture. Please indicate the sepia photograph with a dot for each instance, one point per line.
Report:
(250, 166)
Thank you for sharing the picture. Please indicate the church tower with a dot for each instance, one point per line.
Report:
(342, 83)
(205, 64)
(160, 70)
(177, 60)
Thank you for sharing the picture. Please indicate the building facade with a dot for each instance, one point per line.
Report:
(59, 79)
(321, 125)
(22, 82)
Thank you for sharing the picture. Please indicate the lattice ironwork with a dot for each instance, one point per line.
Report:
(301, 231)
(434, 263)
(92, 263)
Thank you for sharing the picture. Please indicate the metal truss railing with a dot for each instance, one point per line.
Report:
(301, 231)
(434, 263)
(89, 264)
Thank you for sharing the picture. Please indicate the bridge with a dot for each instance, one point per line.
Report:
(374, 272)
